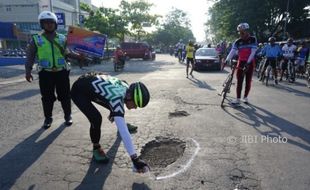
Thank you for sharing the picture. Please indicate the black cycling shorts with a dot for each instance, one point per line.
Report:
(284, 64)
(272, 62)
(189, 60)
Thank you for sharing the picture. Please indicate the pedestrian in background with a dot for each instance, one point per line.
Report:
(190, 57)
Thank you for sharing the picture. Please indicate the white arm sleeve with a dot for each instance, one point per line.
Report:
(253, 51)
(231, 54)
(126, 137)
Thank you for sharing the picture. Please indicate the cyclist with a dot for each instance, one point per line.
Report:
(258, 54)
(119, 56)
(288, 50)
(179, 48)
(228, 48)
(111, 93)
(184, 53)
(308, 71)
(246, 47)
(190, 49)
(53, 69)
(272, 52)
(302, 56)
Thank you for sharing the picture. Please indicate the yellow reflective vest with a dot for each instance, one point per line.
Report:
(50, 55)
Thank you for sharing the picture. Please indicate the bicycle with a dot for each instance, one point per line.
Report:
(228, 81)
(180, 55)
(291, 71)
(308, 74)
(267, 74)
(260, 67)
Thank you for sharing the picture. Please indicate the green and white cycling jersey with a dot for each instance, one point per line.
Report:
(105, 90)
(111, 92)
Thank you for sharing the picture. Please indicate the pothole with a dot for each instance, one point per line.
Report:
(178, 114)
(162, 151)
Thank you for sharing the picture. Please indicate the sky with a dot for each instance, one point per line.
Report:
(196, 11)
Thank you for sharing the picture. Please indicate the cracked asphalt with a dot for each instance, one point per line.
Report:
(232, 153)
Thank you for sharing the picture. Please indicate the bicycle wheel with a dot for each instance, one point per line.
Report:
(289, 71)
(293, 73)
(226, 89)
(223, 97)
(225, 82)
(308, 74)
(267, 75)
(260, 68)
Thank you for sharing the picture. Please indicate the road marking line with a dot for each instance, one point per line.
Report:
(185, 167)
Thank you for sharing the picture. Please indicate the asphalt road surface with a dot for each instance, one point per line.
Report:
(194, 143)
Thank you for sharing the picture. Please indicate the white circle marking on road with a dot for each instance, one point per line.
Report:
(185, 167)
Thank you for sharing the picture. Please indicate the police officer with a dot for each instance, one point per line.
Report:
(49, 48)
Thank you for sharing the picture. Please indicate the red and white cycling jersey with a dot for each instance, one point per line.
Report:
(244, 48)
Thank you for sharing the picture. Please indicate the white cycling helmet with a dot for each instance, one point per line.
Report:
(47, 15)
(271, 39)
(243, 26)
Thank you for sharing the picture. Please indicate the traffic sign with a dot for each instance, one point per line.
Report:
(61, 19)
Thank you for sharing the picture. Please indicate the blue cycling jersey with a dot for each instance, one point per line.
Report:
(272, 51)
(303, 53)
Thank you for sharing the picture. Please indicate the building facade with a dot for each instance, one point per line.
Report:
(24, 13)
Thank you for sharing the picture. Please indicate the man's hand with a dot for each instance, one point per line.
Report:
(139, 164)
(29, 77)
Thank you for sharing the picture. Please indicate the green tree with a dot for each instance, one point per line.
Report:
(130, 19)
(137, 15)
(266, 18)
(176, 26)
(107, 21)
(177, 17)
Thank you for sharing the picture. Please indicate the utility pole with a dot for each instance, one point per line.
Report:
(79, 9)
(286, 18)
(80, 16)
(51, 5)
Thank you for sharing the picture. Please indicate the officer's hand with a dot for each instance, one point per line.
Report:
(139, 165)
(29, 77)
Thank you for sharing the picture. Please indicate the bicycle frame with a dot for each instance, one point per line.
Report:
(228, 82)
(261, 66)
(265, 76)
(308, 74)
(267, 73)
(291, 69)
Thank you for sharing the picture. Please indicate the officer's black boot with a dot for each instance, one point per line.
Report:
(66, 106)
(68, 121)
(48, 109)
(47, 123)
